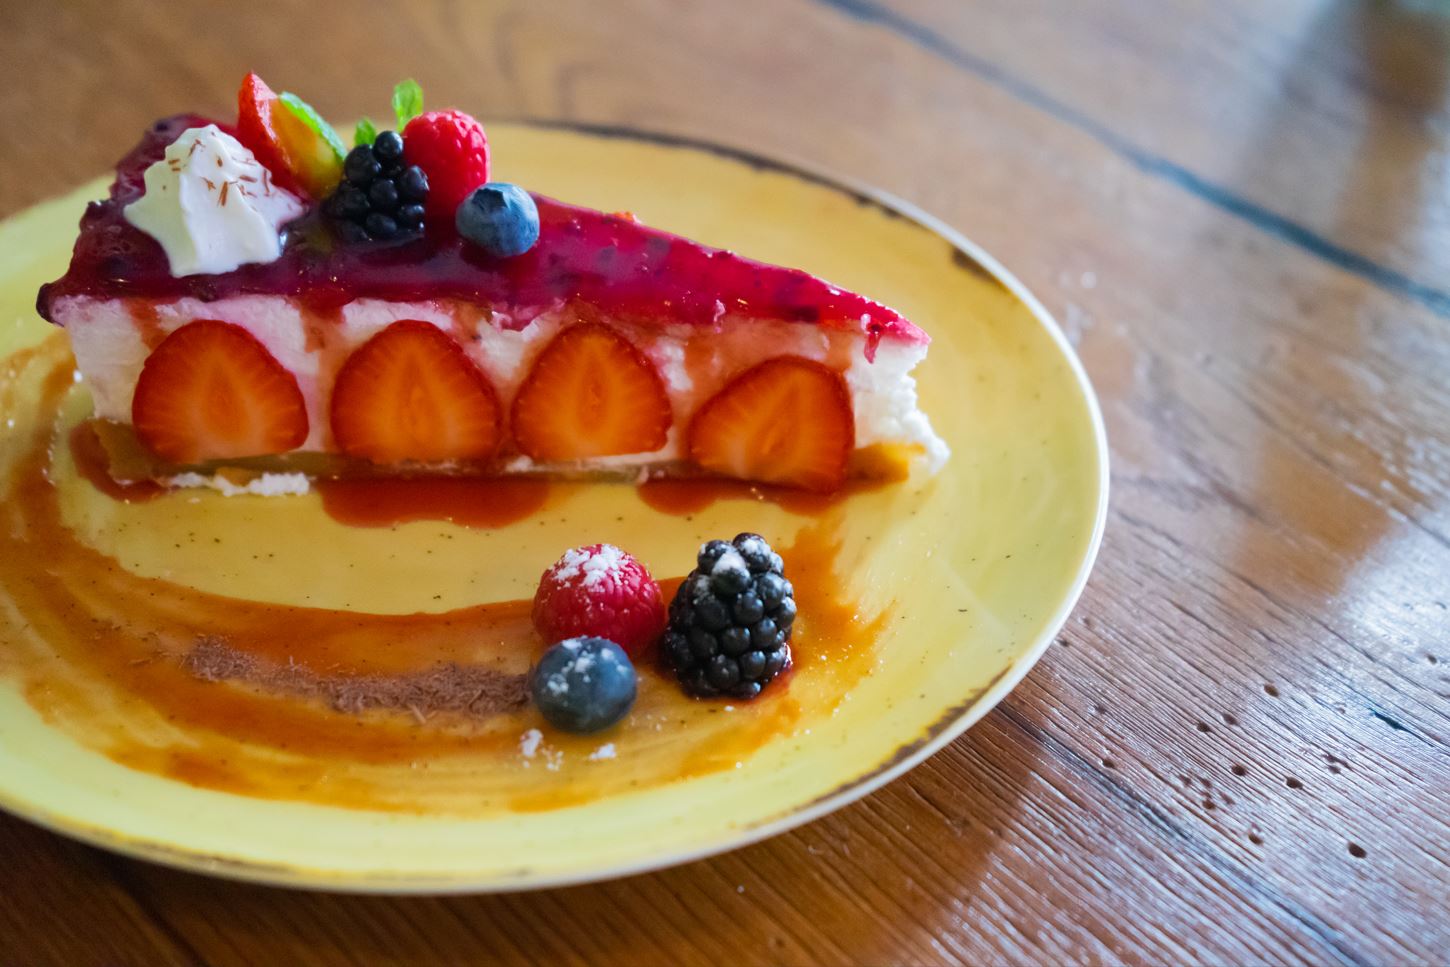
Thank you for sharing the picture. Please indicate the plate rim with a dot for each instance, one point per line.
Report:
(911, 754)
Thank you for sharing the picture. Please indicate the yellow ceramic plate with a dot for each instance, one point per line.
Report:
(954, 584)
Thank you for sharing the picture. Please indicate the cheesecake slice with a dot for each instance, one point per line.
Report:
(605, 349)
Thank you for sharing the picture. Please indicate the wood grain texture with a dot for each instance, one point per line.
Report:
(1240, 750)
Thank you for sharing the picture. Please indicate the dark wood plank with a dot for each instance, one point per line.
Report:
(979, 858)
(64, 904)
(1322, 122)
(1239, 752)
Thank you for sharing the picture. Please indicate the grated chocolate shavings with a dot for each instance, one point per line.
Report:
(472, 690)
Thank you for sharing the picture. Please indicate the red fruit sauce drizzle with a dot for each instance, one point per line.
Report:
(479, 502)
(609, 261)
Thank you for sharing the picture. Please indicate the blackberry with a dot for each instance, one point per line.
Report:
(379, 198)
(731, 619)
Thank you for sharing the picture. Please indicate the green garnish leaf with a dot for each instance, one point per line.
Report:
(365, 133)
(308, 115)
(407, 101)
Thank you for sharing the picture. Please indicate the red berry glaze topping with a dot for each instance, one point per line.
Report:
(611, 262)
(602, 592)
(452, 150)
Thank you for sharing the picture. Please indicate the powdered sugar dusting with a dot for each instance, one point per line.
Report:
(590, 566)
(729, 561)
(755, 544)
(605, 751)
(531, 744)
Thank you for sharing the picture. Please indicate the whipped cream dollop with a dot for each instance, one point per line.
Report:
(212, 205)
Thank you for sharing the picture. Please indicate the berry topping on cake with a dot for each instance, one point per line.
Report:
(619, 350)
(590, 394)
(379, 199)
(583, 684)
(786, 421)
(290, 138)
(452, 150)
(211, 391)
(601, 591)
(730, 621)
(499, 218)
(411, 395)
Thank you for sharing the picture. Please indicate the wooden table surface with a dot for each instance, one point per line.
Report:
(1239, 750)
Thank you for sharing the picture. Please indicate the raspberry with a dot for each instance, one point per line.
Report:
(452, 150)
(600, 591)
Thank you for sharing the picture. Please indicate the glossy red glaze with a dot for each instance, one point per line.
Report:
(609, 261)
(482, 502)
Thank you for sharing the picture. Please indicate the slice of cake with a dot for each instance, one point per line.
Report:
(255, 296)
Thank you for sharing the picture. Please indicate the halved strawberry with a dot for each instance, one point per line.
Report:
(786, 421)
(411, 394)
(256, 103)
(211, 391)
(590, 394)
(289, 138)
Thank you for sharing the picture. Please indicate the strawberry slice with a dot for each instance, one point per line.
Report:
(289, 138)
(211, 391)
(257, 130)
(590, 394)
(411, 394)
(786, 421)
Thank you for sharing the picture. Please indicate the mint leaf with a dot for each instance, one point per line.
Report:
(365, 132)
(308, 115)
(407, 102)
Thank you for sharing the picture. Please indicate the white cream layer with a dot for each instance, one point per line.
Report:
(110, 350)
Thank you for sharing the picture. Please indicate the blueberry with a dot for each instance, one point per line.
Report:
(413, 184)
(388, 146)
(380, 226)
(500, 218)
(583, 684)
